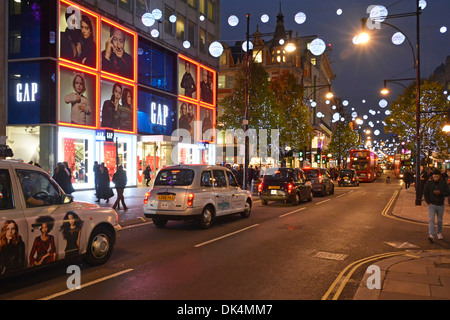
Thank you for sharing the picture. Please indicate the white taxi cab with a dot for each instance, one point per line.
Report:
(195, 192)
(40, 224)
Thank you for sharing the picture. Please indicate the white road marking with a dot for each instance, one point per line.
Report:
(286, 214)
(323, 201)
(224, 236)
(86, 284)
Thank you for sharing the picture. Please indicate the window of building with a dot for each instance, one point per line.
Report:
(180, 27)
(230, 82)
(222, 81)
(141, 7)
(192, 3)
(201, 6)
(223, 59)
(210, 39)
(257, 57)
(202, 40)
(313, 61)
(191, 33)
(168, 26)
(126, 4)
(211, 11)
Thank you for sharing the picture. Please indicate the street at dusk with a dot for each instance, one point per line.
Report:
(228, 158)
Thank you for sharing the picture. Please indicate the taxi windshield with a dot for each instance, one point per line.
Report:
(175, 177)
(280, 174)
(346, 173)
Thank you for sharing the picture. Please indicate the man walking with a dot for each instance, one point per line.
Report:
(435, 191)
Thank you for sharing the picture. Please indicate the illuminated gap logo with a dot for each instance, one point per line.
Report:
(26, 92)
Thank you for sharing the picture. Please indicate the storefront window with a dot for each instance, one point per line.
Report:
(156, 66)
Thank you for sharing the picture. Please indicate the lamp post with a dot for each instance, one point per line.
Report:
(416, 57)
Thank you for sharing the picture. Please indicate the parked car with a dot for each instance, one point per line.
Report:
(284, 184)
(40, 224)
(321, 180)
(195, 192)
(348, 177)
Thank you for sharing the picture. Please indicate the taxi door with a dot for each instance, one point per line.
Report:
(48, 220)
(222, 193)
(237, 196)
(13, 226)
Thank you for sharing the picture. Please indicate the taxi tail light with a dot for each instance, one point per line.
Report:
(290, 187)
(147, 195)
(190, 199)
(260, 187)
(320, 178)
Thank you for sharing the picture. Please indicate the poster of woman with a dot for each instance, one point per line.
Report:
(207, 116)
(77, 97)
(117, 111)
(78, 36)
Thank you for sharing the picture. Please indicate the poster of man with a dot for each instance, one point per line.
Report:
(117, 47)
(206, 86)
(78, 36)
(77, 97)
(187, 79)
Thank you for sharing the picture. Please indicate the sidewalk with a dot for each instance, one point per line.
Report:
(415, 275)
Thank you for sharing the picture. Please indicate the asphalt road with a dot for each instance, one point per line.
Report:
(281, 252)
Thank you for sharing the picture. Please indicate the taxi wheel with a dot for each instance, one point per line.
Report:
(159, 223)
(264, 202)
(100, 246)
(296, 200)
(206, 218)
(247, 209)
(310, 196)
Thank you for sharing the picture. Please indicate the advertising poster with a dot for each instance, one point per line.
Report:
(117, 50)
(156, 113)
(207, 121)
(187, 75)
(188, 114)
(109, 157)
(207, 86)
(117, 101)
(78, 97)
(78, 35)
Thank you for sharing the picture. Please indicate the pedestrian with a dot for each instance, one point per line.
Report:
(69, 172)
(120, 181)
(147, 175)
(250, 175)
(407, 178)
(96, 170)
(104, 190)
(62, 177)
(435, 191)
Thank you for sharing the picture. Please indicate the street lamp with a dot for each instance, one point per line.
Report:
(416, 58)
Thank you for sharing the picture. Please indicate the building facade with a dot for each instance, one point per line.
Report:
(314, 73)
(88, 81)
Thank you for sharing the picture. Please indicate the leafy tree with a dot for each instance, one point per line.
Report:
(342, 141)
(402, 120)
(292, 115)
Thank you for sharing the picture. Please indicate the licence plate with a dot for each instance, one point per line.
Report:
(166, 197)
(345, 178)
(273, 191)
(274, 187)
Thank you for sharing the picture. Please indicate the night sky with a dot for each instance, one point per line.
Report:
(360, 70)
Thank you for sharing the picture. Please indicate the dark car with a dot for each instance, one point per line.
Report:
(321, 180)
(284, 184)
(348, 177)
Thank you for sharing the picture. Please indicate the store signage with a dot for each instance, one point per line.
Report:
(159, 114)
(104, 135)
(26, 92)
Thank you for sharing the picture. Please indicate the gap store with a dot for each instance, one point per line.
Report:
(83, 88)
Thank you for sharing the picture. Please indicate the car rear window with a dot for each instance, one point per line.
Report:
(311, 173)
(346, 173)
(280, 174)
(175, 177)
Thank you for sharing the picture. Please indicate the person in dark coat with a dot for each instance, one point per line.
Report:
(435, 191)
(96, 175)
(104, 190)
(147, 175)
(407, 178)
(62, 177)
(120, 180)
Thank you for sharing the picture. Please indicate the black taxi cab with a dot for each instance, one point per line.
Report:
(40, 224)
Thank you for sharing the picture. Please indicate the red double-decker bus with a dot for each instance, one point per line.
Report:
(365, 162)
